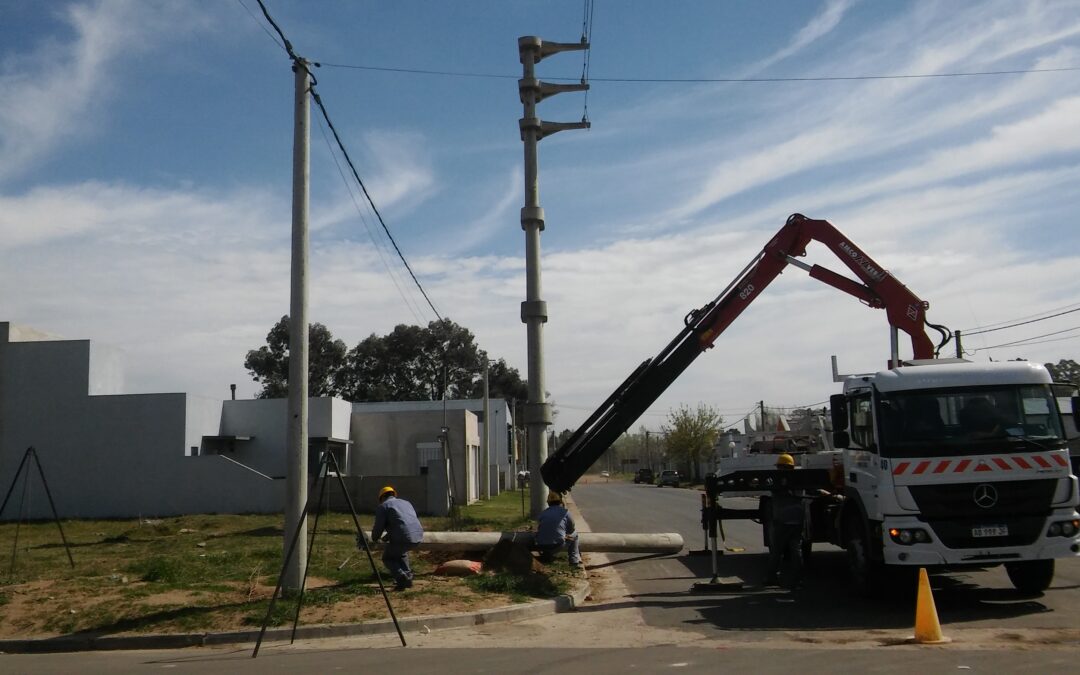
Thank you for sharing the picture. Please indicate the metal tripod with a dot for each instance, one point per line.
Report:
(31, 452)
(324, 471)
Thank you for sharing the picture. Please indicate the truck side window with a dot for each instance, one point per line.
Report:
(862, 422)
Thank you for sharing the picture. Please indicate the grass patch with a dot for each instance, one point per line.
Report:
(519, 588)
(501, 513)
(216, 572)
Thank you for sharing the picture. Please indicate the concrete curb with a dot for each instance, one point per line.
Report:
(566, 602)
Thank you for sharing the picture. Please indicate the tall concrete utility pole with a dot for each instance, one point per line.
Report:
(487, 436)
(534, 310)
(296, 492)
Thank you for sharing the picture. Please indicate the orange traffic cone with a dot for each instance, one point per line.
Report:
(927, 627)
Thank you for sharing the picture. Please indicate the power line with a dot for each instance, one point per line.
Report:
(259, 23)
(1019, 323)
(1026, 340)
(371, 234)
(300, 63)
(586, 59)
(348, 160)
(706, 80)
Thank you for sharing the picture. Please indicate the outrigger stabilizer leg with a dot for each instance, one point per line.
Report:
(714, 532)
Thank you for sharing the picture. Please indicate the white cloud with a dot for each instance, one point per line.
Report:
(58, 92)
(404, 175)
(817, 28)
(500, 211)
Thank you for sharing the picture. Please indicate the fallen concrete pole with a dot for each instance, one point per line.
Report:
(589, 542)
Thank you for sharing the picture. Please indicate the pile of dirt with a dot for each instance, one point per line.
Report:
(512, 557)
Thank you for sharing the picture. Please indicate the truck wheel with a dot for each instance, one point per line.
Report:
(866, 574)
(1031, 576)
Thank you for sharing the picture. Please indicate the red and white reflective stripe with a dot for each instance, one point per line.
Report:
(1000, 463)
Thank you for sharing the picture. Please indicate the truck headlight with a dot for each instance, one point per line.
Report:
(909, 536)
(1063, 528)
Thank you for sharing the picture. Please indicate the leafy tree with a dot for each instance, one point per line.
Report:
(414, 363)
(691, 434)
(505, 382)
(270, 364)
(1065, 370)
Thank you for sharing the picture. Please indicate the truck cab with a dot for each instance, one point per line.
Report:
(951, 463)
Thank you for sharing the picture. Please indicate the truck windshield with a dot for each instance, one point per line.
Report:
(969, 421)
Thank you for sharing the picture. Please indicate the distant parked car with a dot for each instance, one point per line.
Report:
(668, 477)
(644, 476)
(605, 474)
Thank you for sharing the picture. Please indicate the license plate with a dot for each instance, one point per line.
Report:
(990, 531)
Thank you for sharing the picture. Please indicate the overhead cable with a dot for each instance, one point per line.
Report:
(706, 80)
(1025, 341)
(371, 233)
(301, 63)
(1020, 323)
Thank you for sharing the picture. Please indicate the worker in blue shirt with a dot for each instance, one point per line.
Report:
(555, 529)
(397, 519)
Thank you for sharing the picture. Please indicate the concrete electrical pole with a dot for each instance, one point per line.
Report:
(486, 483)
(534, 310)
(297, 456)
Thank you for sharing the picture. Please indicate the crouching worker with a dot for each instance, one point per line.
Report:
(397, 519)
(555, 529)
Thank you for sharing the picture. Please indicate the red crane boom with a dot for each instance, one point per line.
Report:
(879, 289)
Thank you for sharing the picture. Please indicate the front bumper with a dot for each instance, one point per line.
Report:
(935, 552)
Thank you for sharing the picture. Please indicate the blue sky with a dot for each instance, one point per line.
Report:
(145, 176)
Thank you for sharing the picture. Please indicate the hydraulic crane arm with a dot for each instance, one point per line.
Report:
(703, 326)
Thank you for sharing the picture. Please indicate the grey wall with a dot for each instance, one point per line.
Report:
(113, 455)
(109, 454)
(501, 419)
(385, 444)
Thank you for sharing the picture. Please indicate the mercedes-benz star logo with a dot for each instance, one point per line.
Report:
(985, 496)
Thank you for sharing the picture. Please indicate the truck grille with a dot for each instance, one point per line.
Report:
(957, 501)
(1022, 506)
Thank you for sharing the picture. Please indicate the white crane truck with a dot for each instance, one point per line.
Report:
(944, 463)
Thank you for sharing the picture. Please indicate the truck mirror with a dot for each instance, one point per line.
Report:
(838, 410)
(840, 439)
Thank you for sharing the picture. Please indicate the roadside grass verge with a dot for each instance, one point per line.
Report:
(217, 572)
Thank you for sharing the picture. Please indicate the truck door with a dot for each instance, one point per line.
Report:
(861, 458)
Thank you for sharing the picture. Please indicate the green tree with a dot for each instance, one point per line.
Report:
(414, 363)
(270, 364)
(691, 434)
(1065, 370)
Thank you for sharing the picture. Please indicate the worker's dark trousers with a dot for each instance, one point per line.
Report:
(396, 558)
(573, 553)
(785, 546)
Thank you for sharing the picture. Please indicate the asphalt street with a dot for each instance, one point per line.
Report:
(644, 619)
(982, 599)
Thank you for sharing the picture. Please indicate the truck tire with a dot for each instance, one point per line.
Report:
(1031, 576)
(867, 575)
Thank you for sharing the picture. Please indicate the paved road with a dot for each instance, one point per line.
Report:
(973, 599)
(754, 631)
(532, 661)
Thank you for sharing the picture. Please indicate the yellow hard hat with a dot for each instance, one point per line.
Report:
(386, 491)
(785, 460)
(554, 498)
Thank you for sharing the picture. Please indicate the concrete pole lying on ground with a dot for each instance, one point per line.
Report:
(589, 542)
